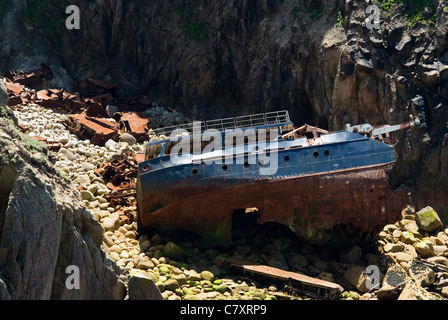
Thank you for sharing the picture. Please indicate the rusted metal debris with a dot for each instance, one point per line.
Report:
(95, 126)
(16, 93)
(133, 123)
(59, 98)
(51, 144)
(31, 77)
(138, 157)
(97, 130)
(92, 98)
(120, 174)
(98, 94)
(295, 282)
(51, 98)
(96, 110)
(123, 198)
(92, 87)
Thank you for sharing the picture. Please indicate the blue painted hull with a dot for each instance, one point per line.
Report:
(313, 189)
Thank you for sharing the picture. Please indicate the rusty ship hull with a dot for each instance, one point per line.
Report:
(324, 187)
(316, 207)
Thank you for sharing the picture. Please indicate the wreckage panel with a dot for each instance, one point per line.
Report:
(135, 124)
(96, 129)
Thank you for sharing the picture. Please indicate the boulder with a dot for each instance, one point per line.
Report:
(409, 225)
(412, 291)
(408, 237)
(172, 251)
(86, 195)
(111, 110)
(82, 180)
(180, 278)
(207, 275)
(425, 248)
(171, 285)
(111, 223)
(112, 145)
(443, 237)
(128, 138)
(394, 278)
(358, 278)
(192, 275)
(277, 260)
(156, 239)
(410, 250)
(428, 220)
(421, 274)
(351, 255)
(221, 288)
(402, 257)
(392, 247)
(143, 263)
(65, 154)
(143, 288)
(3, 93)
(439, 260)
(440, 250)
(297, 261)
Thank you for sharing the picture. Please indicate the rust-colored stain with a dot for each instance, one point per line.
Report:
(120, 174)
(98, 130)
(310, 205)
(134, 123)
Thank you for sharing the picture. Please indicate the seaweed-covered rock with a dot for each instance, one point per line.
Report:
(425, 248)
(428, 220)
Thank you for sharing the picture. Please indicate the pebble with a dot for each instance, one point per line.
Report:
(111, 223)
(207, 275)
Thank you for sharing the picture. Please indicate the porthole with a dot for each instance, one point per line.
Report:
(315, 154)
(224, 167)
(146, 168)
(327, 152)
(286, 158)
(194, 171)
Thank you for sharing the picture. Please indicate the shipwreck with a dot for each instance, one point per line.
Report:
(320, 184)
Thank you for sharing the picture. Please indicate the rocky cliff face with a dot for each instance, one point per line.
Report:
(315, 58)
(45, 229)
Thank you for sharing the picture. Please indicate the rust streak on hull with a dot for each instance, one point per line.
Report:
(310, 205)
